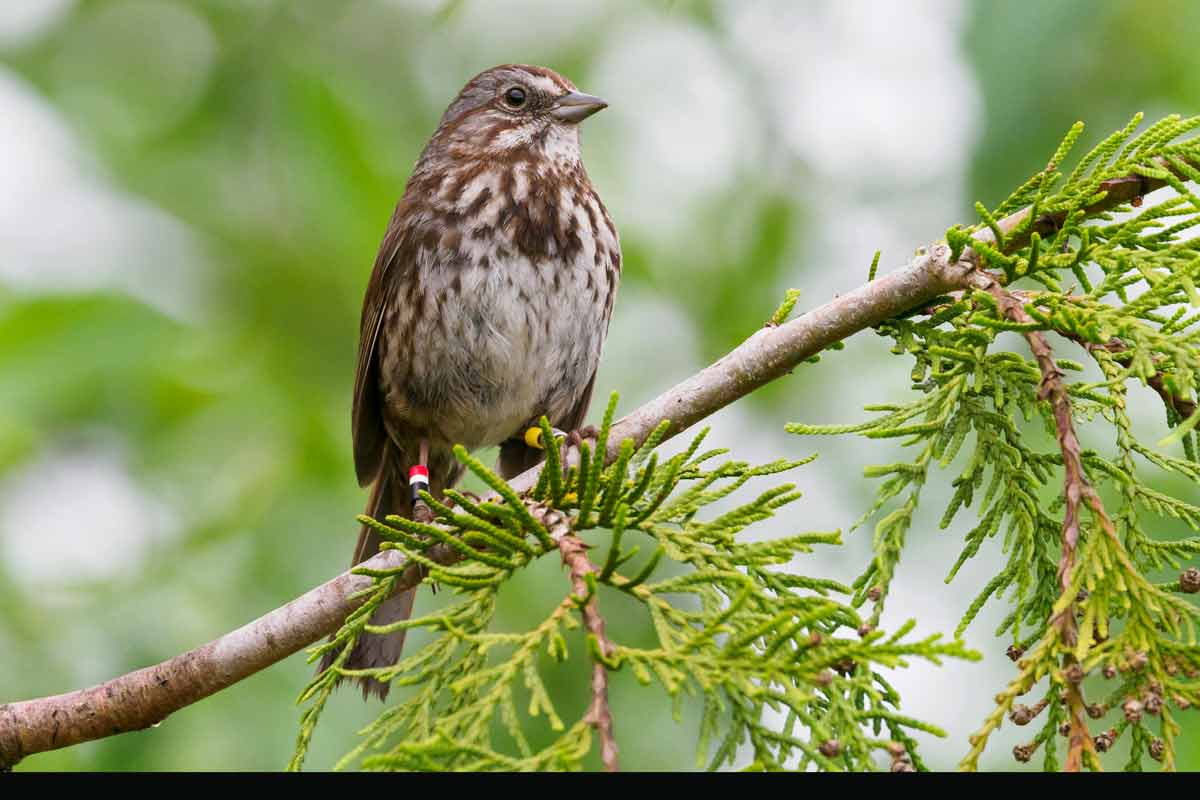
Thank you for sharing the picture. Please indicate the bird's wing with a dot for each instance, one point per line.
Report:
(573, 421)
(370, 435)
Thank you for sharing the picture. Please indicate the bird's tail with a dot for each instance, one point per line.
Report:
(389, 495)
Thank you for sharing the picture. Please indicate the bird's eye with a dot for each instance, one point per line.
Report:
(515, 97)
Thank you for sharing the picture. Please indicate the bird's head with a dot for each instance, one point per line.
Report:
(514, 110)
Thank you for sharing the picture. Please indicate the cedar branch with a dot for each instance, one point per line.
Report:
(1181, 405)
(1076, 490)
(574, 555)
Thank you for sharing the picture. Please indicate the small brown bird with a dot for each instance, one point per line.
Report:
(488, 304)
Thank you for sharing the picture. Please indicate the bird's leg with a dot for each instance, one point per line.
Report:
(418, 479)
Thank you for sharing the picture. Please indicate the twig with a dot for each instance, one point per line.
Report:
(1180, 405)
(1076, 490)
(574, 555)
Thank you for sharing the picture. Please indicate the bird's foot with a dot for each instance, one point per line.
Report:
(574, 438)
(471, 496)
(422, 512)
(577, 436)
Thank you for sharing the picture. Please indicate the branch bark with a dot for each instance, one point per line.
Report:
(143, 698)
(599, 715)
(1076, 489)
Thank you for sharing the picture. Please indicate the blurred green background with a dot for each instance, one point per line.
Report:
(191, 196)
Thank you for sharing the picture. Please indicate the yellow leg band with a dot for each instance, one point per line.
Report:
(533, 438)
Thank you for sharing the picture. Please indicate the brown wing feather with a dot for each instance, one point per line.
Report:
(574, 419)
(370, 436)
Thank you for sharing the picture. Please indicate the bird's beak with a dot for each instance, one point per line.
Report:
(576, 107)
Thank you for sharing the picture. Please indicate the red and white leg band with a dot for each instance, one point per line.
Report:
(418, 479)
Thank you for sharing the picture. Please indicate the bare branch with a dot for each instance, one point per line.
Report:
(772, 352)
(146, 697)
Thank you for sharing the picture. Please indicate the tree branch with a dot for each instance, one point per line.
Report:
(1076, 490)
(145, 697)
(574, 555)
(772, 352)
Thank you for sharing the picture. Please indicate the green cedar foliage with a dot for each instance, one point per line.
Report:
(786, 671)
(1118, 286)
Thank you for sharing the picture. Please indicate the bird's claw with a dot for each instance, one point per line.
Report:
(421, 512)
(577, 436)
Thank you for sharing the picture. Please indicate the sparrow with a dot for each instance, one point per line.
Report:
(487, 307)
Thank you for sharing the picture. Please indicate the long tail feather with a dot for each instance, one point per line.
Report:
(388, 496)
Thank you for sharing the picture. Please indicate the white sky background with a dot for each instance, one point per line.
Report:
(875, 100)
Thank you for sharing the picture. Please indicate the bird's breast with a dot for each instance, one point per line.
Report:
(511, 319)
